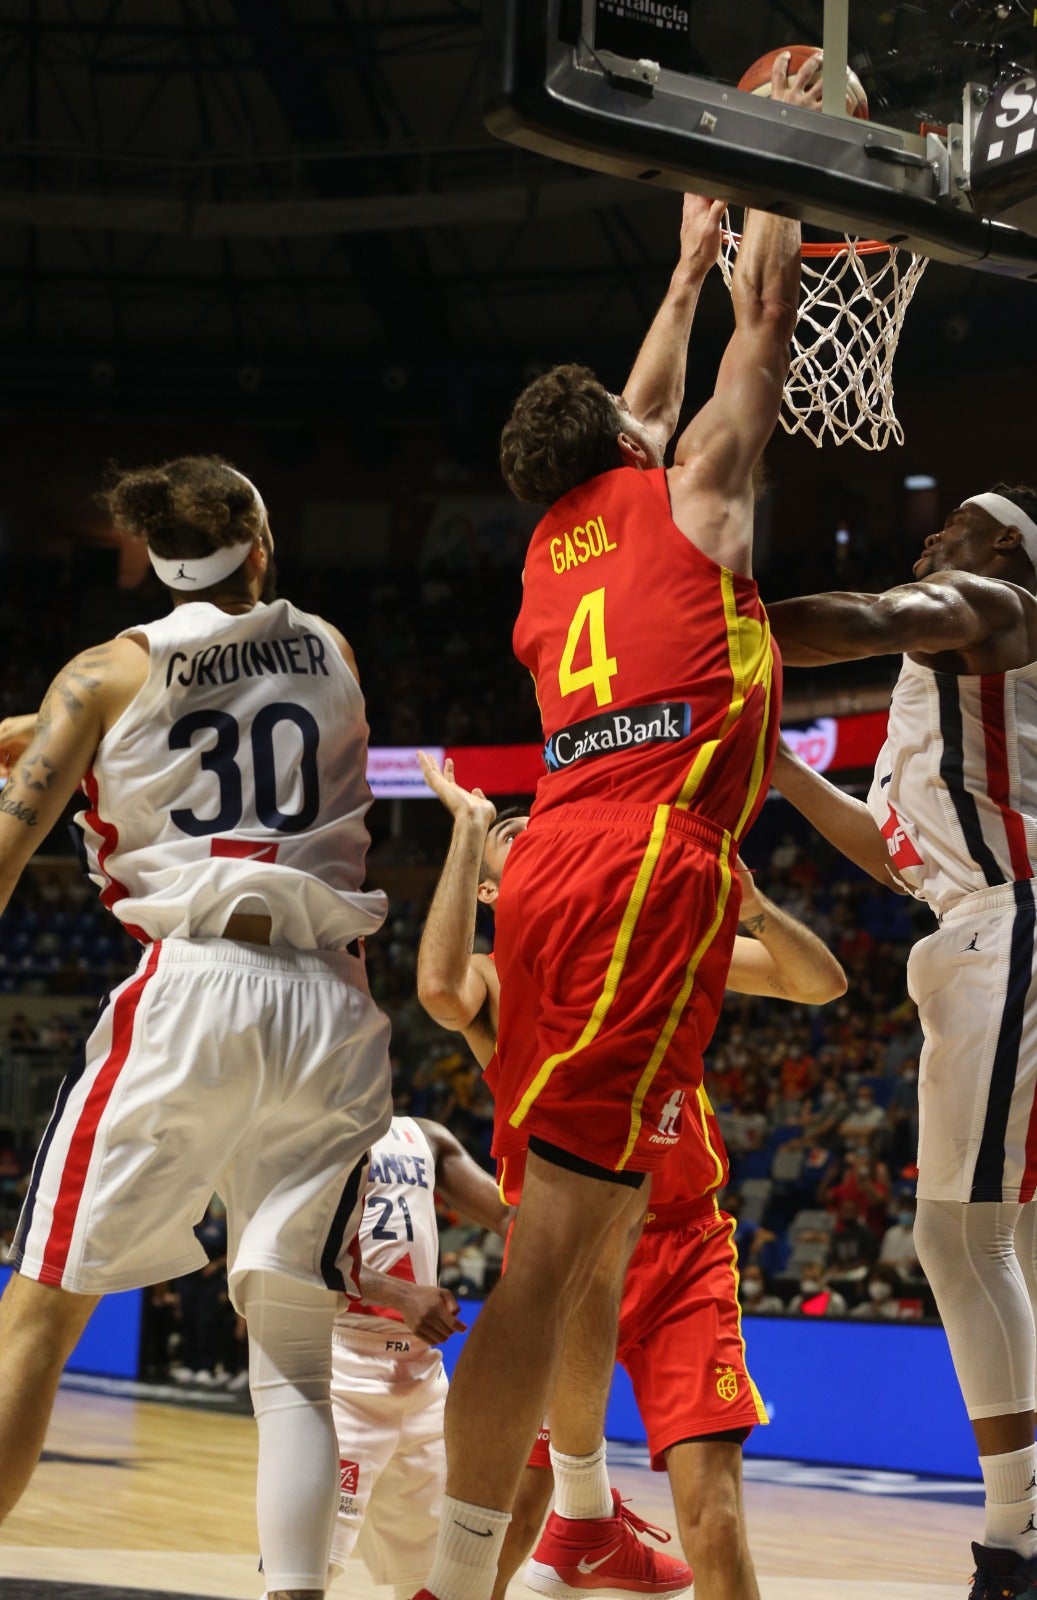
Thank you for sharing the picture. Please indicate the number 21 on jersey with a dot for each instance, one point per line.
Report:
(601, 668)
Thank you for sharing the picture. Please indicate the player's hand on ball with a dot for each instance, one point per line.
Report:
(801, 88)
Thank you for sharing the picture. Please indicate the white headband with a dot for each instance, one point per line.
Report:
(201, 572)
(1008, 514)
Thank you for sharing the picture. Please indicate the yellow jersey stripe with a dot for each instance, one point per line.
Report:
(614, 972)
(662, 1044)
(705, 1110)
(761, 1409)
(756, 772)
(704, 756)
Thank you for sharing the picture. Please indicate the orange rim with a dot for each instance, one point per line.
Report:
(836, 247)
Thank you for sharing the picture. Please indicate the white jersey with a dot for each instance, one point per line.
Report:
(955, 786)
(398, 1232)
(235, 780)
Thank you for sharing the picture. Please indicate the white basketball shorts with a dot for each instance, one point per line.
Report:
(974, 984)
(389, 1421)
(260, 1074)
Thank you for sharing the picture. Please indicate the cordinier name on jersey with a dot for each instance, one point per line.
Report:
(663, 723)
(299, 653)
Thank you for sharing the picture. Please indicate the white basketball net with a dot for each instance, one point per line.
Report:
(852, 308)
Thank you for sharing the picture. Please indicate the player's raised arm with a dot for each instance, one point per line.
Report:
(85, 697)
(840, 818)
(654, 390)
(453, 984)
(719, 448)
(782, 957)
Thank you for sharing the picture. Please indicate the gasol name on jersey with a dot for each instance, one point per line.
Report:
(217, 664)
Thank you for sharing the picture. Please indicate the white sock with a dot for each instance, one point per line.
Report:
(469, 1542)
(582, 1484)
(1010, 1481)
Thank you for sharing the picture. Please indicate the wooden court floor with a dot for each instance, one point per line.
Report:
(138, 1495)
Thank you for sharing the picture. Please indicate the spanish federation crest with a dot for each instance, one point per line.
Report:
(727, 1383)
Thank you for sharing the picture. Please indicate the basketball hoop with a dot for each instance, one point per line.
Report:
(854, 296)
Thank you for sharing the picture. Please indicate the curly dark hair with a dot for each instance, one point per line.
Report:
(562, 431)
(184, 508)
(1021, 495)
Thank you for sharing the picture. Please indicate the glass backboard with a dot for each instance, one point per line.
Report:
(647, 89)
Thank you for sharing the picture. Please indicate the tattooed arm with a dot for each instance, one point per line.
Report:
(15, 737)
(82, 703)
(782, 958)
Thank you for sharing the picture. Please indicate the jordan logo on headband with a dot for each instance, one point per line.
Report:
(201, 572)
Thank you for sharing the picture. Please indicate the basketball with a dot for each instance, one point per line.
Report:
(757, 78)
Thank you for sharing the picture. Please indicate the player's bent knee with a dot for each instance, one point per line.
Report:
(289, 1329)
(706, 1481)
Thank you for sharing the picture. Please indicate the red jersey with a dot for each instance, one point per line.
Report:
(694, 1171)
(655, 671)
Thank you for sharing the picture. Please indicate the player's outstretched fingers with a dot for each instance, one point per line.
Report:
(803, 87)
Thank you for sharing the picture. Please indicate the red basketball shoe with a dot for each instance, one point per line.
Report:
(603, 1556)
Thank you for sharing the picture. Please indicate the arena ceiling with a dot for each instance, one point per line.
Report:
(279, 203)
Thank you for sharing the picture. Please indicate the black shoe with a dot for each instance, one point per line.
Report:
(1002, 1575)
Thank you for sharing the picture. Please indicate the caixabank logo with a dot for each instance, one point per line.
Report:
(655, 30)
(662, 723)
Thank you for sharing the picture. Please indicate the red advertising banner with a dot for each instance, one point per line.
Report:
(829, 744)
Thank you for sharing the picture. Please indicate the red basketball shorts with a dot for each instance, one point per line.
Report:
(615, 926)
(680, 1334)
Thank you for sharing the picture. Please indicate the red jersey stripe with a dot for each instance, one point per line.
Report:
(109, 836)
(1028, 1186)
(992, 700)
(402, 1269)
(77, 1162)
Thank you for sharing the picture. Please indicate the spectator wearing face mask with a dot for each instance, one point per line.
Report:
(898, 1241)
(882, 1297)
(815, 1298)
(753, 1295)
(865, 1117)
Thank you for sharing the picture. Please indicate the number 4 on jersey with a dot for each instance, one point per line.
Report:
(602, 669)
